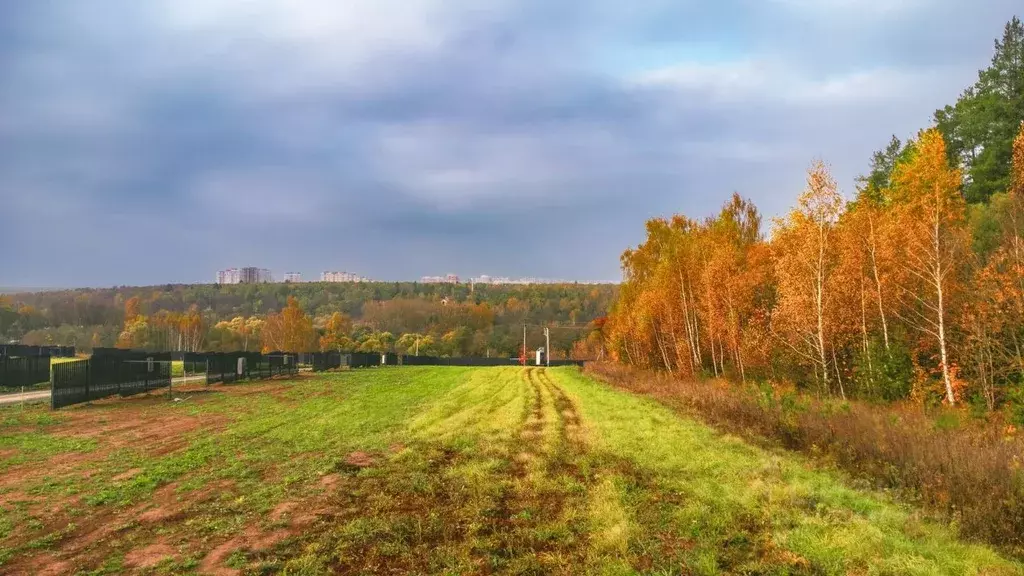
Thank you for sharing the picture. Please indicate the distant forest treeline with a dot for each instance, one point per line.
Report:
(438, 318)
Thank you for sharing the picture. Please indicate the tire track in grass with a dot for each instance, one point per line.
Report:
(533, 428)
(544, 532)
(443, 503)
(627, 512)
(457, 499)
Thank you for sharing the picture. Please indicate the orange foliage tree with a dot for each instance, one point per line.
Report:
(290, 330)
(335, 335)
(931, 214)
(806, 252)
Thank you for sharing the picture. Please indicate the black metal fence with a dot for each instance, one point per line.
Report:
(22, 350)
(321, 361)
(69, 383)
(106, 375)
(361, 359)
(192, 362)
(113, 371)
(128, 372)
(19, 371)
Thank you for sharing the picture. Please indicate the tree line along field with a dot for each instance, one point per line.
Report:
(455, 320)
(435, 470)
(909, 289)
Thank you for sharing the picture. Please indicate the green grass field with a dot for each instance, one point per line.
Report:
(433, 470)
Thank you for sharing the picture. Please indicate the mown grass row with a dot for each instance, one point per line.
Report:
(970, 475)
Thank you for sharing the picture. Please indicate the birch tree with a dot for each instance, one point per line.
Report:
(930, 212)
(805, 262)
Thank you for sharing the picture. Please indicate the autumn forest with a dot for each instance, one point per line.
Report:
(404, 317)
(912, 288)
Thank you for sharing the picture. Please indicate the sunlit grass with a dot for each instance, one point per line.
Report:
(447, 470)
(741, 508)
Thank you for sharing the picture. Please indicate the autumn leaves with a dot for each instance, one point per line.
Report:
(839, 290)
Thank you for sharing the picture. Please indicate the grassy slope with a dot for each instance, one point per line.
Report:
(746, 508)
(445, 470)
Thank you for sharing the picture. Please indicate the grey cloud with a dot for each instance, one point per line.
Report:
(180, 137)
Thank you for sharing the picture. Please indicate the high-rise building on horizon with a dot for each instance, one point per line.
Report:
(500, 280)
(253, 275)
(247, 275)
(293, 277)
(229, 276)
(342, 277)
(449, 279)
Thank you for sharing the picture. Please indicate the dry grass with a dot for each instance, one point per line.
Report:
(969, 473)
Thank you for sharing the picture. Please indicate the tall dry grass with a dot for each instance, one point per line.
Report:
(968, 471)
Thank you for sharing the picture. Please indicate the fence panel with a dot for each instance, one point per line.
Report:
(23, 350)
(474, 361)
(318, 360)
(192, 363)
(280, 363)
(422, 360)
(111, 373)
(142, 375)
(361, 359)
(321, 361)
(18, 371)
(214, 367)
(26, 350)
(69, 383)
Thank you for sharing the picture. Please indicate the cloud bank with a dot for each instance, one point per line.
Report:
(157, 142)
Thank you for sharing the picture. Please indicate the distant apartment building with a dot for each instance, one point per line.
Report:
(292, 277)
(449, 279)
(229, 276)
(251, 275)
(500, 280)
(341, 277)
(247, 275)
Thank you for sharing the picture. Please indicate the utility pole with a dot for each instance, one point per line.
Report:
(417, 345)
(547, 346)
(523, 344)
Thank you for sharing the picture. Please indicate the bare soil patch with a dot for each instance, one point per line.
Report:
(138, 423)
(47, 565)
(360, 459)
(157, 515)
(213, 562)
(281, 510)
(127, 475)
(252, 539)
(149, 556)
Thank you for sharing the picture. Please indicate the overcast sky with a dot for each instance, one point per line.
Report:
(158, 141)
